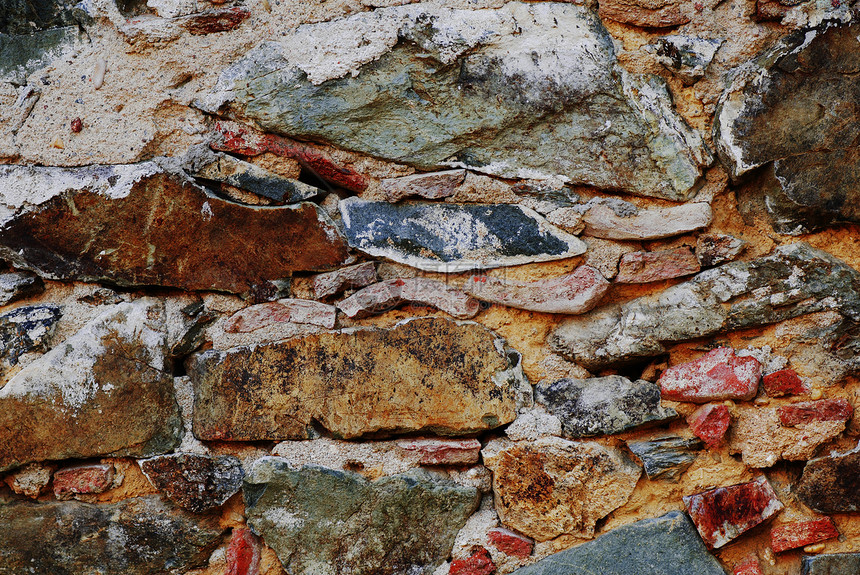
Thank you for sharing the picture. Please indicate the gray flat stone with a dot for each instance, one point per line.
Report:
(26, 329)
(666, 457)
(23, 54)
(831, 564)
(18, 285)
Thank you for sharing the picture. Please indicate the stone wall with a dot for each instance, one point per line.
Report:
(466, 287)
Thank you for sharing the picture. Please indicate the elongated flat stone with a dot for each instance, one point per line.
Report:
(334, 282)
(60, 405)
(284, 310)
(831, 484)
(321, 520)
(666, 545)
(163, 230)
(476, 90)
(602, 405)
(838, 409)
(831, 564)
(644, 267)
(717, 375)
(604, 220)
(454, 237)
(195, 482)
(801, 533)
(666, 457)
(389, 294)
(430, 186)
(139, 536)
(427, 374)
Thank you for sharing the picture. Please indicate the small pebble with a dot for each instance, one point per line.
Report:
(58, 143)
(816, 394)
(816, 548)
(77, 125)
(760, 401)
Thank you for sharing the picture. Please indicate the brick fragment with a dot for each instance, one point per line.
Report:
(710, 423)
(644, 267)
(82, 479)
(480, 563)
(748, 566)
(802, 533)
(717, 375)
(444, 451)
(822, 410)
(243, 553)
(510, 543)
(783, 382)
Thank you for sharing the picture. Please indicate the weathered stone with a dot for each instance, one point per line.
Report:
(567, 219)
(831, 484)
(165, 230)
(748, 566)
(430, 186)
(444, 451)
(140, 536)
(644, 267)
(83, 479)
(783, 382)
(717, 375)
(333, 283)
(23, 54)
(602, 405)
(809, 411)
(196, 482)
(812, 168)
(428, 374)
(29, 480)
(725, 513)
(666, 457)
(26, 329)
(217, 20)
(795, 280)
(552, 486)
(666, 545)
(487, 96)
(387, 295)
(710, 423)
(454, 237)
(624, 221)
(715, 249)
(573, 293)
(534, 423)
(18, 285)
(685, 56)
(59, 405)
(22, 17)
(651, 14)
(322, 520)
(510, 542)
(479, 563)
(243, 553)
(284, 310)
(802, 533)
(831, 564)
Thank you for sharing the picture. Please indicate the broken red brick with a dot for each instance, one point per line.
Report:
(285, 310)
(243, 553)
(644, 267)
(717, 375)
(510, 542)
(802, 533)
(724, 513)
(444, 451)
(480, 563)
(710, 423)
(783, 382)
(749, 566)
(212, 21)
(82, 479)
(808, 411)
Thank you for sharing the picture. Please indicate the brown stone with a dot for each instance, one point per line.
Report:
(646, 13)
(285, 310)
(831, 484)
(389, 294)
(193, 481)
(644, 267)
(212, 21)
(83, 479)
(431, 186)
(428, 374)
(334, 282)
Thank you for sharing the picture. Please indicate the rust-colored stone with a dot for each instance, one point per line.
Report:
(783, 382)
(808, 411)
(710, 423)
(802, 533)
(719, 374)
(80, 479)
(649, 14)
(212, 21)
(479, 563)
(644, 267)
(748, 566)
(243, 553)
(510, 543)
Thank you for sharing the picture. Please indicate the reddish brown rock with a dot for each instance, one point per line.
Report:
(717, 375)
(432, 186)
(802, 533)
(715, 249)
(808, 411)
(387, 295)
(783, 382)
(646, 13)
(444, 451)
(644, 267)
(196, 482)
(82, 479)
(723, 514)
(480, 563)
(243, 553)
(212, 21)
(334, 282)
(284, 310)
(573, 293)
(710, 423)
(510, 543)
(748, 566)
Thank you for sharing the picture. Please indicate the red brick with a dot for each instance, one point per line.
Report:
(444, 451)
(510, 543)
(749, 566)
(644, 267)
(710, 423)
(717, 375)
(243, 553)
(82, 479)
(809, 411)
(802, 533)
(480, 563)
(783, 382)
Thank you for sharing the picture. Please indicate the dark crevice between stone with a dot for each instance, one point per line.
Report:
(132, 8)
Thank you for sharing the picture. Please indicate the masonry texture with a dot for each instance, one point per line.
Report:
(463, 287)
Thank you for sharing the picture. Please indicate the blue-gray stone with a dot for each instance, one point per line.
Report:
(23, 54)
(831, 564)
(666, 457)
(26, 329)
(667, 545)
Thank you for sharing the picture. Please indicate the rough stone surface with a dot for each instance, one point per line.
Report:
(831, 484)
(284, 310)
(783, 382)
(661, 14)
(510, 542)
(644, 267)
(444, 451)
(725, 513)
(165, 230)
(430, 186)
(717, 375)
(23, 54)
(710, 423)
(426, 374)
(685, 56)
(73, 537)
(26, 329)
(810, 411)
(666, 457)
(666, 545)
(243, 553)
(479, 563)
(320, 520)
(716, 249)
(332, 283)
(624, 221)
(58, 406)
(17, 285)
(602, 405)
(831, 564)
(470, 109)
(802, 533)
(389, 294)
(454, 237)
(573, 293)
(552, 486)
(192, 481)
(748, 566)
(29, 480)
(83, 479)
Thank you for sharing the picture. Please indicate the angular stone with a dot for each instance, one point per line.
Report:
(725, 513)
(510, 542)
(29, 480)
(428, 374)
(783, 382)
(715, 249)
(624, 221)
(802, 533)
(387, 295)
(831, 484)
(18, 285)
(430, 186)
(748, 566)
(195, 482)
(685, 56)
(568, 219)
(666, 545)
(644, 267)
(602, 405)
(60, 405)
(284, 310)
(83, 479)
(26, 329)
(352, 82)
(808, 411)
(444, 451)
(666, 457)
(552, 486)
(165, 230)
(479, 563)
(23, 54)
(795, 280)
(710, 423)
(350, 277)
(665, 14)
(139, 536)
(831, 564)
(322, 520)
(217, 20)
(717, 375)
(454, 237)
(243, 553)
(573, 293)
